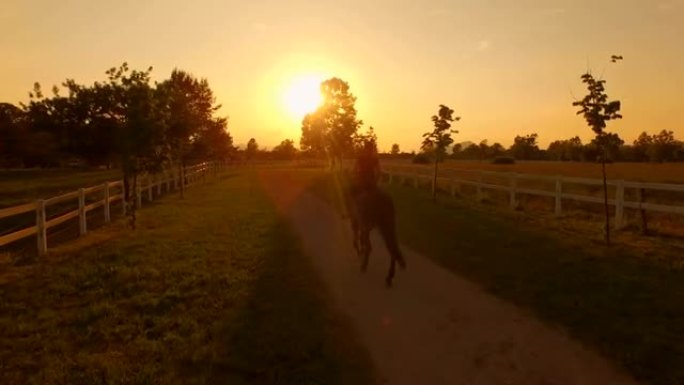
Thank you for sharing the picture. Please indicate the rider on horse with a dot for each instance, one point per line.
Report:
(370, 208)
(367, 169)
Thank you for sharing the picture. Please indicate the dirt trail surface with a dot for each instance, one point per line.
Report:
(432, 327)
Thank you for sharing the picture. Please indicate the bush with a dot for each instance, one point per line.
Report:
(422, 159)
(503, 160)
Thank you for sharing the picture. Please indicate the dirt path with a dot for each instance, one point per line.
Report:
(433, 327)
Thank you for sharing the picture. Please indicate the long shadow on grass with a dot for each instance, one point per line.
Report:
(287, 333)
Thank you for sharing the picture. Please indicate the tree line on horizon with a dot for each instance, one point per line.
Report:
(173, 121)
(660, 147)
(656, 148)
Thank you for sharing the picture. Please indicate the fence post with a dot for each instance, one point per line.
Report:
(83, 228)
(513, 187)
(479, 186)
(107, 216)
(123, 198)
(168, 182)
(391, 176)
(620, 204)
(159, 185)
(559, 195)
(641, 194)
(42, 228)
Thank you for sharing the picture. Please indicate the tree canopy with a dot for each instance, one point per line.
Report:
(331, 129)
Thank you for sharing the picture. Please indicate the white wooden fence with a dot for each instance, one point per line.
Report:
(410, 174)
(162, 183)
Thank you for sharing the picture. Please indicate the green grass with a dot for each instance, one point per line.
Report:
(212, 289)
(626, 306)
(22, 186)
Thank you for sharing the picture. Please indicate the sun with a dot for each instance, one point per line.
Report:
(302, 95)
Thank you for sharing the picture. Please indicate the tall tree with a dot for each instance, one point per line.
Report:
(14, 137)
(395, 149)
(439, 139)
(213, 141)
(285, 150)
(138, 131)
(597, 110)
(664, 147)
(314, 135)
(188, 107)
(332, 127)
(525, 147)
(252, 149)
(641, 147)
(367, 138)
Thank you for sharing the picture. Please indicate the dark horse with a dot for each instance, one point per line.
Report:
(368, 210)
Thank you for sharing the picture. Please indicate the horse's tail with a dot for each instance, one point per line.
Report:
(387, 227)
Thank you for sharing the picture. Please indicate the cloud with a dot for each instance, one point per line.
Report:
(483, 45)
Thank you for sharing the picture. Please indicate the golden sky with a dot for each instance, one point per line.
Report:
(506, 67)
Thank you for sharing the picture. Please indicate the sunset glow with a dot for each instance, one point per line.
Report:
(506, 67)
(302, 95)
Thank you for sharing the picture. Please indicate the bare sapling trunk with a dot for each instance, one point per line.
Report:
(605, 197)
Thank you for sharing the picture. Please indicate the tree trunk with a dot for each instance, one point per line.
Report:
(181, 171)
(434, 182)
(605, 198)
(126, 192)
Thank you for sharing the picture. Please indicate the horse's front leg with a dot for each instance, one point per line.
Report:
(390, 273)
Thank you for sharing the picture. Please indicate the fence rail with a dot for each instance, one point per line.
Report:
(617, 200)
(167, 182)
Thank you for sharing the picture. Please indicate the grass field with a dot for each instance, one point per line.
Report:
(627, 306)
(211, 289)
(22, 186)
(639, 172)
(579, 214)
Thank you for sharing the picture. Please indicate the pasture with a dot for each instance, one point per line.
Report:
(640, 172)
(21, 186)
(211, 289)
(577, 215)
(626, 304)
(218, 288)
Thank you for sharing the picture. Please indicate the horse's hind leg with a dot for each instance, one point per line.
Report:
(355, 235)
(365, 248)
(389, 235)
